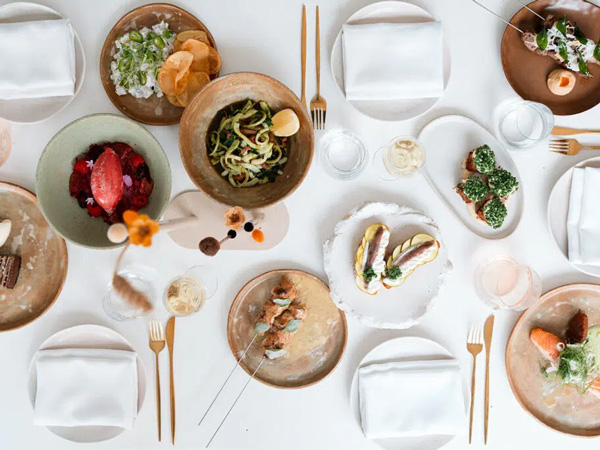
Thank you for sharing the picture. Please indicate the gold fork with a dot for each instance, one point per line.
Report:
(474, 346)
(318, 105)
(570, 146)
(157, 344)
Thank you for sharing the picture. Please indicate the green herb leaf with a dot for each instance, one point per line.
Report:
(542, 39)
(562, 50)
(583, 68)
(393, 273)
(369, 275)
(575, 366)
(293, 325)
(276, 353)
(580, 36)
(597, 52)
(261, 327)
(281, 301)
(561, 26)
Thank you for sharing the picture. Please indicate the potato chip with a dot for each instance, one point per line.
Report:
(201, 54)
(179, 61)
(166, 81)
(181, 81)
(197, 80)
(197, 35)
(214, 61)
(173, 101)
(176, 45)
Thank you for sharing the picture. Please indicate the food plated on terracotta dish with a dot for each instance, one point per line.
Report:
(386, 264)
(553, 359)
(300, 335)
(154, 60)
(246, 140)
(96, 168)
(555, 60)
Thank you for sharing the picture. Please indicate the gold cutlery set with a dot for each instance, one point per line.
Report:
(157, 344)
(477, 337)
(570, 146)
(318, 105)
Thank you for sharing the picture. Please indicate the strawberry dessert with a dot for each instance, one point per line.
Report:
(109, 179)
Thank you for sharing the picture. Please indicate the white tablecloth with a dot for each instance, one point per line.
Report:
(321, 414)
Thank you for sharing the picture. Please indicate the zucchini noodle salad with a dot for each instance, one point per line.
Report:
(243, 147)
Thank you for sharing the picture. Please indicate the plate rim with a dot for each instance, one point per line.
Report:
(337, 43)
(425, 173)
(107, 46)
(78, 46)
(63, 249)
(507, 364)
(580, 164)
(141, 375)
(237, 299)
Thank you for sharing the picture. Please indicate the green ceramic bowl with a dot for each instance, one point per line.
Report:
(56, 164)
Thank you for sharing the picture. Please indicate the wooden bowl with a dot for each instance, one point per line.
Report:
(44, 259)
(527, 72)
(193, 139)
(316, 348)
(152, 110)
(572, 413)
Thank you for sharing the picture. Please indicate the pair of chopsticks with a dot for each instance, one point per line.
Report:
(506, 21)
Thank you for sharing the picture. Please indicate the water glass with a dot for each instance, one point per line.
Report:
(141, 278)
(523, 124)
(502, 283)
(343, 154)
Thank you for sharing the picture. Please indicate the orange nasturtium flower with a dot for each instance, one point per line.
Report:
(141, 228)
(234, 217)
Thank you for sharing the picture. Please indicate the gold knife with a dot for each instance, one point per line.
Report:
(566, 131)
(170, 341)
(303, 56)
(488, 331)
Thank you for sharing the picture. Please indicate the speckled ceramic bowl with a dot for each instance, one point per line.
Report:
(56, 164)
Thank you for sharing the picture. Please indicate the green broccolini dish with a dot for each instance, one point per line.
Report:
(502, 182)
(474, 188)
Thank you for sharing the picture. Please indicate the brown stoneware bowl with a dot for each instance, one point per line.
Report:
(198, 117)
(527, 72)
(152, 110)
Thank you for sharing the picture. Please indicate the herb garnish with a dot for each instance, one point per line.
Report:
(474, 188)
(369, 274)
(579, 35)
(393, 273)
(484, 159)
(561, 26)
(542, 39)
(597, 52)
(583, 68)
(575, 366)
(502, 182)
(562, 50)
(494, 212)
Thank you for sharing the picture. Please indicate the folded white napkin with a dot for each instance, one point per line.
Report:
(411, 398)
(37, 59)
(390, 61)
(583, 222)
(84, 387)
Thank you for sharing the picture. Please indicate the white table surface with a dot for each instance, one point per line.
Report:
(264, 36)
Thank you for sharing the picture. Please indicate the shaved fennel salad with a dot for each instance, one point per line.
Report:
(242, 146)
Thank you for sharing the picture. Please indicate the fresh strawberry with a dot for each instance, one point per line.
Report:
(137, 160)
(82, 167)
(140, 201)
(95, 210)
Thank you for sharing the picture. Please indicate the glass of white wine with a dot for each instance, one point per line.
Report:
(186, 294)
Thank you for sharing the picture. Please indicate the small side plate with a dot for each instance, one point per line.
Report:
(447, 141)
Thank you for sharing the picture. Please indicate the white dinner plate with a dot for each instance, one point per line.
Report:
(29, 110)
(399, 307)
(558, 211)
(387, 12)
(404, 349)
(447, 141)
(87, 336)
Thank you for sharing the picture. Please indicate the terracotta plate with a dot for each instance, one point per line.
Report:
(527, 72)
(43, 259)
(153, 110)
(564, 410)
(317, 346)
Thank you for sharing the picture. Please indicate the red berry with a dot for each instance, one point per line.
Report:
(94, 210)
(81, 167)
(140, 201)
(137, 160)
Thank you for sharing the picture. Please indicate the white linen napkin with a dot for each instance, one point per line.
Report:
(390, 61)
(37, 59)
(86, 386)
(583, 222)
(411, 398)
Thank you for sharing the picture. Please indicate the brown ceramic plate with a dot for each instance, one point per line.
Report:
(43, 255)
(527, 72)
(564, 410)
(152, 110)
(317, 346)
(198, 117)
